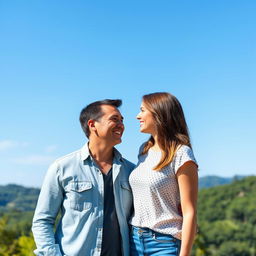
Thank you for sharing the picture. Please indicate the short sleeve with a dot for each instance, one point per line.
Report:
(184, 154)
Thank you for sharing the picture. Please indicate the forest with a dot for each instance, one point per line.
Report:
(226, 219)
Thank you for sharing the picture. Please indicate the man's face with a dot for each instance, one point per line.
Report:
(110, 127)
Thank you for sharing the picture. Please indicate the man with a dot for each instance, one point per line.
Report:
(90, 189)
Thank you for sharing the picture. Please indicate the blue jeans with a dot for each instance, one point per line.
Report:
(145, 242)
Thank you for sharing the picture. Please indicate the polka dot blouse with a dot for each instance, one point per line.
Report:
(156, 193)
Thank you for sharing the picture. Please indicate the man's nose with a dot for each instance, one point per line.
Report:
(120, 123)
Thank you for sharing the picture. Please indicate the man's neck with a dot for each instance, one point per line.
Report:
(102, 155)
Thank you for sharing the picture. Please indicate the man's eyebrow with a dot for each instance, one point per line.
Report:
(117, 116)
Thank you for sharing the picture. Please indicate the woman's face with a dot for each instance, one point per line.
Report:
(147, 122)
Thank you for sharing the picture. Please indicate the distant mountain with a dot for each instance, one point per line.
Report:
(17, 197)
(24, 199)
(212, 181)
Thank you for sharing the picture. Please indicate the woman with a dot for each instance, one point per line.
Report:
(164, 182)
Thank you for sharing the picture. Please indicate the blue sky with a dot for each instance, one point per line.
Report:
(58, 56)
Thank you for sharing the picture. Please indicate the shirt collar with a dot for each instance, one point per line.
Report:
(85, 153)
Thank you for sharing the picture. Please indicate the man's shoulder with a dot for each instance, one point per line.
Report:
(73, 156)
(128, 164)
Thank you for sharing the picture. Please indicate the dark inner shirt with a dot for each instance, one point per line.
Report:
(111, 242)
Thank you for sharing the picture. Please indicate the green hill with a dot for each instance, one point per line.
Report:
(227, 219)
(17, 204)
(19, 198)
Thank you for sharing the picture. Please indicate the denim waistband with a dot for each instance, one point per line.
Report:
(142, 230)
(148, 231)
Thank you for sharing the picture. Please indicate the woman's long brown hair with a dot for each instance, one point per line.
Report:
(172, 130)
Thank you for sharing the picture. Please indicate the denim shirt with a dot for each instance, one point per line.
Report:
(74, 186)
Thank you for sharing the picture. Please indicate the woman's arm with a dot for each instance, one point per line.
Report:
(187, 177)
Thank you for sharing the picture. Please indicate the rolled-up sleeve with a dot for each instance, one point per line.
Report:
(48, 206)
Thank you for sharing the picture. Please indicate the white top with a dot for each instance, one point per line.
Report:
(156, 193)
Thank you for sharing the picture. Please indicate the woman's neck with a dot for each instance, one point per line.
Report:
(156, 146)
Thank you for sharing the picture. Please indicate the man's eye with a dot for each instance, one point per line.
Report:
(116, 120)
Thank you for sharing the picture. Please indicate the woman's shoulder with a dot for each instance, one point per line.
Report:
(183, 154)
(184, 149)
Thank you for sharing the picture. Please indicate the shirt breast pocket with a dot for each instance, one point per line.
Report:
(80, 195)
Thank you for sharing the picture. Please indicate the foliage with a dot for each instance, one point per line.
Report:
(226, 219)
(14, 242)
(17, 205)
(26, 245)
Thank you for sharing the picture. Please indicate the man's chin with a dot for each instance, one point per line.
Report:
(118, 141)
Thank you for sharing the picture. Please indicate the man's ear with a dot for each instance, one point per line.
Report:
(92, 127)
(91, 124)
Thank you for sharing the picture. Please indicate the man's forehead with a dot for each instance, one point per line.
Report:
(110, 110)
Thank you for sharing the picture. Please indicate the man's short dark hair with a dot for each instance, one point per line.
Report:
(93, 111)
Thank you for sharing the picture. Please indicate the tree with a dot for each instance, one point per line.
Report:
(26, 245)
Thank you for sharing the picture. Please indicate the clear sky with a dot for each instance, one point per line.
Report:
(58, 56)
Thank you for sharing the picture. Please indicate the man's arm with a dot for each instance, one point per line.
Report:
(48, 205)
